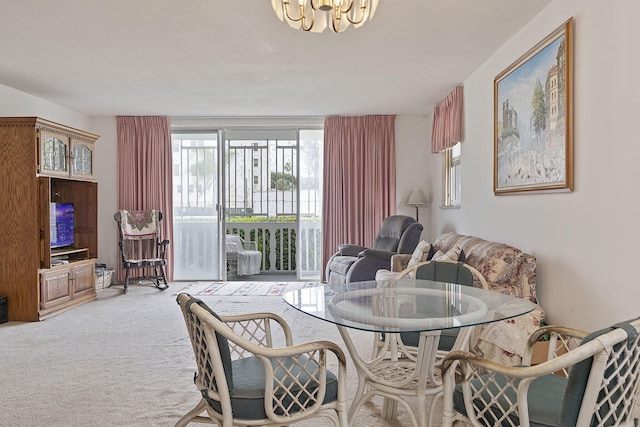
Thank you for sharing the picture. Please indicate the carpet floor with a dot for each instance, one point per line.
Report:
(126, 360)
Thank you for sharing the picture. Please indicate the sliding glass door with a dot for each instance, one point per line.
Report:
(262, 184)
(273, 196)
(197, 225)
(310, 205)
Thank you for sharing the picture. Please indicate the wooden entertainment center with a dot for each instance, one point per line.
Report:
(43, 163)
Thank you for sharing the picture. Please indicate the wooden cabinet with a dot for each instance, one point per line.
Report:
(64, 152)
(66, 285)
(44, 163)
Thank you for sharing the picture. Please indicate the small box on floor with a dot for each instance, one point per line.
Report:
(4, 311)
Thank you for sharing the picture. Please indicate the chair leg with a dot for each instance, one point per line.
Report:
(193, 415)
(343, 419)
(359, 397)
(126, 279)
(160, 276)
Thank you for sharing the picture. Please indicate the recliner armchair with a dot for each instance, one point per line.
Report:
(355, 263)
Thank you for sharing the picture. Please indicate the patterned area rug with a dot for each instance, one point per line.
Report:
(251, 288)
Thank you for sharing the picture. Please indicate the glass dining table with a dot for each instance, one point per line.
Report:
(391, 309)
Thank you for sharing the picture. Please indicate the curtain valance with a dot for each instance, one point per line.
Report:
(447, 121)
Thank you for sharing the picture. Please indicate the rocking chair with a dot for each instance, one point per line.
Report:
(141, 246)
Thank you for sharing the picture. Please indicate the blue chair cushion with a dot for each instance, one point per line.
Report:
(446, 272)
(442, 272)
(545, 399)
(247, 399)
(447, 339)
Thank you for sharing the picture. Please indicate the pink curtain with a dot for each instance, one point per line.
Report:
(447, 121)
(145, 171)
(359, 188)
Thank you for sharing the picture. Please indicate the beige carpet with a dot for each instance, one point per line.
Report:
(126, 360)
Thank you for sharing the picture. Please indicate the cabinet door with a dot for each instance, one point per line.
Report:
(54, 287)
(83, 278)
(81, 159)
(54, 154)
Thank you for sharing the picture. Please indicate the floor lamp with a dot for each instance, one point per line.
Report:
(416, 198)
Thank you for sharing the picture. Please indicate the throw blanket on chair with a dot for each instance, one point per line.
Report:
(139, 224)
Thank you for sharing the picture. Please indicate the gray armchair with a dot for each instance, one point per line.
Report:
(355, 263)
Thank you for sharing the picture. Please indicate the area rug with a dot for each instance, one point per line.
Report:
(252, 288)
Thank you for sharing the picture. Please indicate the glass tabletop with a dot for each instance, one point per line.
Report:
(406, 305)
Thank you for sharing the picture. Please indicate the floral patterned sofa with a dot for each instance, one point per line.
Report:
(507, 270)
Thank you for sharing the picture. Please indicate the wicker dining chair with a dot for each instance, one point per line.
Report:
(588, 381)
(442, 271)
(245, 380)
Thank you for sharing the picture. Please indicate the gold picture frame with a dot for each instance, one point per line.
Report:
(533, 119)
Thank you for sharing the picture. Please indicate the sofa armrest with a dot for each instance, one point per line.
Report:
(365, 268)
(400, 262)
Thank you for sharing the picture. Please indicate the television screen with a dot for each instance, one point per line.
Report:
(62, 220)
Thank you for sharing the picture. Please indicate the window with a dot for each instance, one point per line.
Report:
(452, 188)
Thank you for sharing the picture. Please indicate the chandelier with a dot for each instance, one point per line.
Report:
(312, 15)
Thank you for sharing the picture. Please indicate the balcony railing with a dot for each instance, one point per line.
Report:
(279, 245)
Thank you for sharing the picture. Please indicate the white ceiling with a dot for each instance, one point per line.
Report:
(234, 58)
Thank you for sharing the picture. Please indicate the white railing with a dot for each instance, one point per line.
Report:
(278, 242)
(287, 247)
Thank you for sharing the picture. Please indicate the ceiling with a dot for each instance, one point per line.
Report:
(234, 58)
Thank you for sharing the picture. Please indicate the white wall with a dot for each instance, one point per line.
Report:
(413, 136)
(106, 172)
(585, 241)
(14, 103)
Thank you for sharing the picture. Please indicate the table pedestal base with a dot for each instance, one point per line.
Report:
(397, 372)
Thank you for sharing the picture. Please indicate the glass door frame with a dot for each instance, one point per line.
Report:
(217, 245)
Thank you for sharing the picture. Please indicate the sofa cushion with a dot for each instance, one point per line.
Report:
(421, 253)
(454, 254)
(497, 262)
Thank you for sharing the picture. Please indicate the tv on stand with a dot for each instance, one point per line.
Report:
(62, 221)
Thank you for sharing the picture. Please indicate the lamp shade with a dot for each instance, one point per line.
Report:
(416, 198)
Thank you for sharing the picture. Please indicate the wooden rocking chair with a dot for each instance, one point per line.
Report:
(141, 246)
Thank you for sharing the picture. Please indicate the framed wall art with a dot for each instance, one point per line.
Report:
(533, 119)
